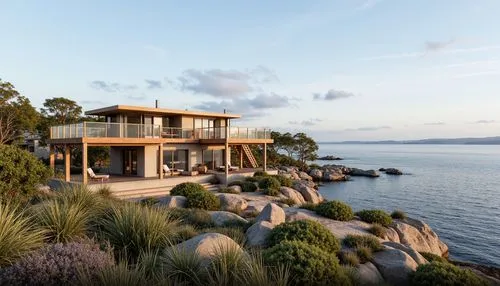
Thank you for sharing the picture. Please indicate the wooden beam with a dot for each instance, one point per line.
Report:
(226, 153)
(52, 157)
(84, 163)
(241, 156)
(67, 163)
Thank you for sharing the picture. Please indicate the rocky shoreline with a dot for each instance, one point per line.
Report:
(403, 243)
(337, 173)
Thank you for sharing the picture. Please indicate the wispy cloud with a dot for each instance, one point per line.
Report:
(436, 46)
(154, 84)
(310, 122)
(435, 123)
(370, 128)
(484, 122)
(368, 4)
(422, 54)
(332, 94)
(112, 86)
(93, 102)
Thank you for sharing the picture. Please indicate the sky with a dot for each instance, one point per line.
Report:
(336, 69)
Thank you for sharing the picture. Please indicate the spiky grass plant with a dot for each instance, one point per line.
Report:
(18, 234)
(117, 275)
(132, 228)
(256, 273)
(63, 219)
(82, 196)
(226, 265)
(185, 267)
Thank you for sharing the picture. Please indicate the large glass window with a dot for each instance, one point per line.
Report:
(213, 158)
(177, 159)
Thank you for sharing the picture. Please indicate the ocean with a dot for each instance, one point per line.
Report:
(453, 188)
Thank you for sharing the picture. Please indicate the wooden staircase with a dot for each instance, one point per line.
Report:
(249, 155)
(137, 194)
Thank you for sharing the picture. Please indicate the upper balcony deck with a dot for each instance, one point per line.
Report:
(125, 133)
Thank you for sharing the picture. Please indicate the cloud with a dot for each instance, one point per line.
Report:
(310, 122)
(332, 95)
(435, 123)
(371, 128)
(111, 86)
(225, 83)
(368, 4)
(422, 54)
(93, 102)
(154, 84)
(484, 122)
(435, 46)
(248, 107)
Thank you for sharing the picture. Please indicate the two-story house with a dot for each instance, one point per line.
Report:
(143, 139)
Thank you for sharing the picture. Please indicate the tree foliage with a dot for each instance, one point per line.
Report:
(292, 150)
(16, 113)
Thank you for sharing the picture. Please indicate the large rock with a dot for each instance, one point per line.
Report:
(173, 202)
(391, 235)
(363, 173)
(235, 189)
(207, 245)
(293, 194)
(294, 175)
(305, 176)
(272, 213)
(419, 259)
(394, 265)
(220, 218)
(310, 195)
(369, 275)
(232, 202)
(419, 236)
(393, 171)
(257, 234)
(316, 174)
(339, 229)
(334, 176)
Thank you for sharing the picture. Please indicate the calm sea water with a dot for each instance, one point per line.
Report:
(453, 188)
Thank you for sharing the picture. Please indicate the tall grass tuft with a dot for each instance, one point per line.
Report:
(117, 275)
(256, 273)
(132, 228)
(62, 219)
(185, 267)
(82, 196)
(226, 266)
(18, 235)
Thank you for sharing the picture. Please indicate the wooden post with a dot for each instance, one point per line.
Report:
(265, 157)
(67, 163)
(226, 154)
(84, 163)
(241, 156)
(52, 157)
(160, 159)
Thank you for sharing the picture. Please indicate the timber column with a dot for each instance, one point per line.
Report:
(52, 157)
(226, 152)
(84, 163)
(160, 163)
(67, 163)
(265, 157)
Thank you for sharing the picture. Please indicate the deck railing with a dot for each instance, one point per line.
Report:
(129, 130)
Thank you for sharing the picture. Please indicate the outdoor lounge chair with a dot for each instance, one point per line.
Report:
(95, 177)
(167, 170)
(231, 168)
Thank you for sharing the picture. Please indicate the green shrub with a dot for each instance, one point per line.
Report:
(269, 183)
(260, 174)
(185, 232)
(235, 183)
(18, 235)
(226, 265)
(309, 265)
(184, 266)
(378, 230)
(309, 206)
(132, 228)
(397, 214)
(336, 210)
(357, 241)
(271, 192)
(116, 275)
(57, 264)
(437, 274)
(20, 173)
(247, 187)
(253, 179)
(225, 190)
(105, 191)
(433, 257)
(287, 201)
(307, 231)
(314, 166)
(364, 253)
(185, 189)
(284, 181)
(195, 217)
(203, 200)
(149, 201)
(375, 216)
(349, 258)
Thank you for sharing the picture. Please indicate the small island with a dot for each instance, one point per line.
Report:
(330, 158)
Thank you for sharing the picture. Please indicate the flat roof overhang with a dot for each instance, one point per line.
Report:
(157, 111)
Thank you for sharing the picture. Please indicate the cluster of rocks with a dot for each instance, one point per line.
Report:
(391, 171)
(330, 158)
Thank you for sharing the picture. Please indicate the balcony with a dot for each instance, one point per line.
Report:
(128, 130)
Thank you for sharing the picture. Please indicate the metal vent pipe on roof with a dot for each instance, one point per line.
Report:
(157, 103)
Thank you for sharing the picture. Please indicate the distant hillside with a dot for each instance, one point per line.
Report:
(454, 141)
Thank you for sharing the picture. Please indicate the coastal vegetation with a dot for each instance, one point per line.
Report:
(335, 210)
(375, 216)
(398, 214)
(438, 273)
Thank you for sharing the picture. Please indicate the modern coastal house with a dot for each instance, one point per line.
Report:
(152, 142)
